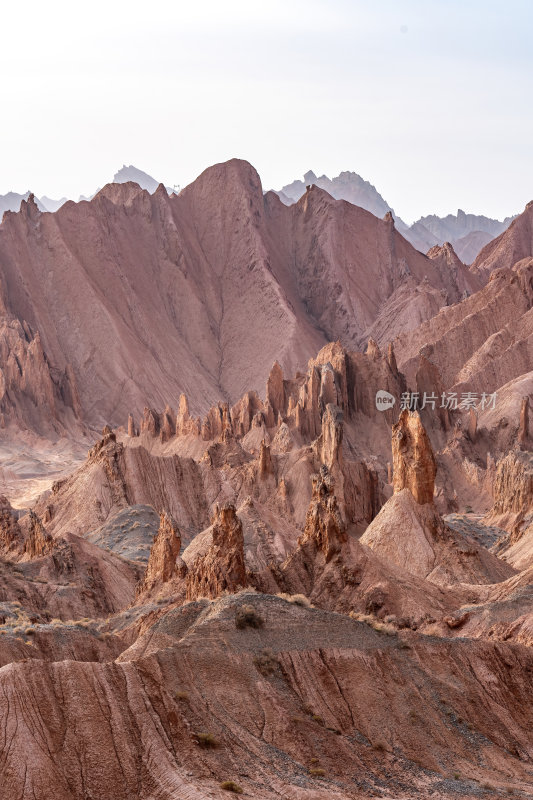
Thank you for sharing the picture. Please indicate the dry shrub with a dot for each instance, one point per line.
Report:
(366, 618)
(382, 627)
(266, 662)
(297, 599)
(231, 786)
(206, 740)
(317, 772)
(379, 745)
(247, 617)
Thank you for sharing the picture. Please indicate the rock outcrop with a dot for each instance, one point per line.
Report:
(414, 465)
(324, 527)
(266, 466)
(221, 568)
(165, 550)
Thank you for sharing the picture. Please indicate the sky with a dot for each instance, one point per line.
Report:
(429, 100)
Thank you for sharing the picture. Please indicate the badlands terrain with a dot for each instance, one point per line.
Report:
(225, 567)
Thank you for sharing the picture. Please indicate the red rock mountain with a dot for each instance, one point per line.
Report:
(248, 585)
(131, 298)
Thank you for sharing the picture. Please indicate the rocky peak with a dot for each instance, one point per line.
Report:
(324, 527)
(108, 438)
(168, 424)
(30, 208)
(222, 566)
(275, 394)
(266, 466)
(184, 422)
(162, 561)
(413, 460)
(150, 422)
(372, 349)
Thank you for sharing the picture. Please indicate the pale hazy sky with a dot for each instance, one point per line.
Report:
(430, 100)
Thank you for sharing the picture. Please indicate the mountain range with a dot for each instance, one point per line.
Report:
(468, 233)
(266, 516)
(163, 280)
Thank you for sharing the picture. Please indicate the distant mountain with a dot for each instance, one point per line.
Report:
(467, 233)
(468, 247)
(131, 173)
(134, 175)
(347, 186)
(455, 226)
(12, 200)
(51, 205)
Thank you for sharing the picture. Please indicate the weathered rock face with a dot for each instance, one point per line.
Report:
(332, 433)
(222, 567)
(482, 343)
(32, 394)
(413, 460)
(323, 524)
(429, 384)
(416, 539)
(391, 358)
(165, 550)
(523, 429)
(513, 484)
(39, 541)
(511, 246)
(10, 532)
(275, 395)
